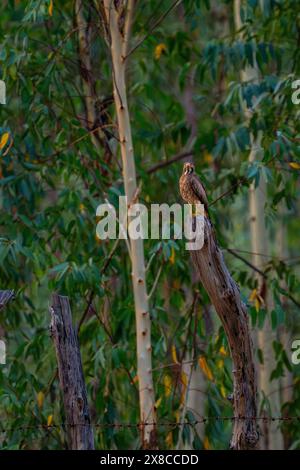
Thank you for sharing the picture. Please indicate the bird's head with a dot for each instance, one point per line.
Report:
(188, 168)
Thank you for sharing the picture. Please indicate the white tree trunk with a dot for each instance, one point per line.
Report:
(195, 396)
(284, 331)
(119, 47)
(195, 393)
(272, 437)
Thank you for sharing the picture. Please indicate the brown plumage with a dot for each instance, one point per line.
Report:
(191, 189)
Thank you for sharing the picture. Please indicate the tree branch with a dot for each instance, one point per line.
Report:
(155, 25)
(176, 158)
(246, 262)
(155, 282)
(128, 26)
(225, 296)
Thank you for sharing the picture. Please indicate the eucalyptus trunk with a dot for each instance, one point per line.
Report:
(285, 329)
(271, 435)
(119, 41)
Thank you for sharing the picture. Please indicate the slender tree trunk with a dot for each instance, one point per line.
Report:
(195, 396)
(285, 330)
(272, 437)
(119, 47)
(91, 101)
(79, 429)
(195, 393)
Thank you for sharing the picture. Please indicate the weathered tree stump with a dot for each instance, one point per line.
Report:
(64, 335)
(225, 296)
(5, 297)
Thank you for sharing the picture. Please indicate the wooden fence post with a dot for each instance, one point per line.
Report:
(5, 297)
(64, 335)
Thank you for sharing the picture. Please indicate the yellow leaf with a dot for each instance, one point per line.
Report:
(3, 140)
(257, 298)
(205, 368)
(223, 351)
(174, 354)
(253, 295)
(50, 8)
(49, 420)
(135, 379)
(159, 50)
(40, 399)
(223, 391)
(295, 165)
(172, 257)
(168, 385)
(220, 364)
(207, 157)
(169, 439)
(184, 382)
(158, 402)
(206, 443)
(81, 208)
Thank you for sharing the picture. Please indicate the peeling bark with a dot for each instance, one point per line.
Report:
(119, 47)
(79, 429)
(5, 297)
(225, 296)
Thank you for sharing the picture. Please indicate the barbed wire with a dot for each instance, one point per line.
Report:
(174, 424)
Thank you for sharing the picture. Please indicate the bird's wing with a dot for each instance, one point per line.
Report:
(199, 191)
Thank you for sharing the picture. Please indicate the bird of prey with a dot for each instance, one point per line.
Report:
(191, 189)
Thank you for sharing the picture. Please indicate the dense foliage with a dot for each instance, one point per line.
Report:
(185, 95)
